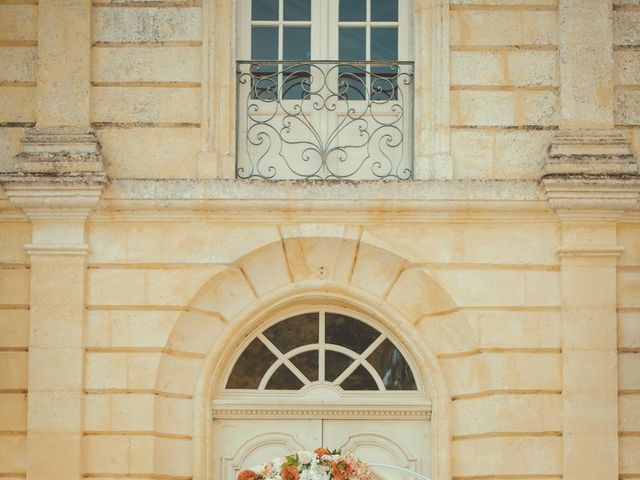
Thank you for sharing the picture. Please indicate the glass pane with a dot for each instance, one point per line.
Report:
(264, 43)
(352, 82)
(251, 366)
(265, 81)
(334, 364)
(360, 379)
(294, 332)
(353, 10)
(384, 83)
(264, 9)
(284, 379)
(307, 363)
(297, 43)
(297, 9)
(296, 82)
(352, 44)
(348, 332)
(392, 367)
(384, 10)
(384, 44)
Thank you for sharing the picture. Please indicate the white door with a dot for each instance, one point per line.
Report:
(243, 443)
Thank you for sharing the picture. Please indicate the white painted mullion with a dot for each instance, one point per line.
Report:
(281, 359)
(321, 349)
(368, 48)
(280, 46)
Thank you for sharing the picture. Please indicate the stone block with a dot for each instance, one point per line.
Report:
(542, 288)
(419, 243)
(477, 68)
(18, 64)
(472, 288)
(136, 328)
(627, 67)
(226, 294)
(146, 105)
(120, 371)
(195, 332)
(146, 64)
(626, 27)
(17, 104)
(629, 371)
(151, 286)
(147, 24)
(502, 3)
(174, 415)
(54, 456)
(629, 458)
(520, 154)
(515, 329)
(629, 413)
(13, 453)
(119, 413)
(477, 27)
(56, 326)
(507, 414)
(473, 154)
(507, 457)
(376, 270)
(628, 288)
(159, 152)
(626, 109)
(599, 376)
(629, 329)
(54, 411)
(14, 328)
(471, 108)
(57, 369)
(590, 456)
(540, 108)
(267, 269)
(13, 412)
(589, 328)
(586, 286)
(628, 237)
(528, 68)
(501, 243)
(18, 22)
(178, 374)
(503, 371)
(9, 147)
(13, 370)
(415, 294)
(119, 454)
(173, 457)
(448, 333)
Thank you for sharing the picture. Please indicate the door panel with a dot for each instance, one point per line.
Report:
(240, 444)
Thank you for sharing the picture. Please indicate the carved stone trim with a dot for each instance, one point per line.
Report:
(322, 411)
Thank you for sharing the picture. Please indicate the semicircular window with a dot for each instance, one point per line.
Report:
(321, 347)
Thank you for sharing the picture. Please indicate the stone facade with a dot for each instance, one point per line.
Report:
(132, 262)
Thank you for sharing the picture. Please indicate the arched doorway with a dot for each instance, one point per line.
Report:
(321, 375)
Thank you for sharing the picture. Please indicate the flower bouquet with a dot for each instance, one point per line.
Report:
(320, 464)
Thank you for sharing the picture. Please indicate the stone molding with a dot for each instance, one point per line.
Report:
(591, 170)
(321, 411)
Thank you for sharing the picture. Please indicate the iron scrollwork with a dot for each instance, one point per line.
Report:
(325, 120)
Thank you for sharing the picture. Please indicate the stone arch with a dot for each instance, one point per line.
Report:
(423, 316)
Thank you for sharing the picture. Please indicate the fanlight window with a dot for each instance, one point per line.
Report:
(321, 347)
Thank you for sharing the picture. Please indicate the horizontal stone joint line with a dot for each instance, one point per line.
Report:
(150, 84)
(126, 125)
(142, 308)
(134, 433)
(175, 43)
(505, 7)
(140, 391)
(154, 266)
(150, 4)
(501, 350)
(474, 436)
(484, 266)
(154, 350)
(491, 393)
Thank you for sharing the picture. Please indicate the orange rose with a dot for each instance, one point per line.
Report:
(321, 451)
(341, 470)
(247, 475)
(290, 473)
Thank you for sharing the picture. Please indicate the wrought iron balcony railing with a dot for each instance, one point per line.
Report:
(325, 120)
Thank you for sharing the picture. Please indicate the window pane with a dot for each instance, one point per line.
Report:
(384, 10)
(348, 332)
(384, 44)
(334, 364)
(392, 367)
(251, 366)
(284, 379)
(360, 379)
(352, 44)
(297, 43)
(384, 83)
(307, 363)
(294, 332)
(264, 9)
(353, 10)
(264, 43)
(297, 9)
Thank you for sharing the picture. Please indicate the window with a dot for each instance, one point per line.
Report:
(324, 89)
(321, 347)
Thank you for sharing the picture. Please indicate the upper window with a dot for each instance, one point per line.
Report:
(321, 347)
(324, 89)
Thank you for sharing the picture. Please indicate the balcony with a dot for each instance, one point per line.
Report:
(324, 120)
